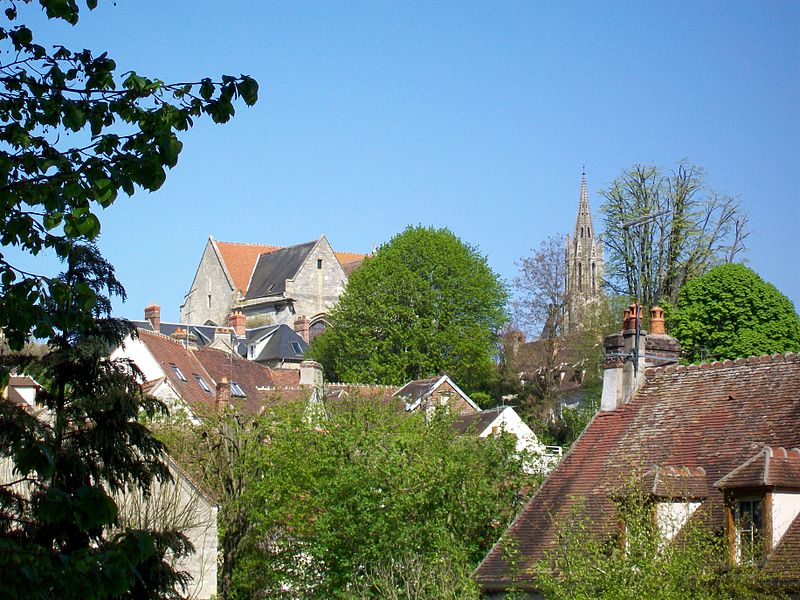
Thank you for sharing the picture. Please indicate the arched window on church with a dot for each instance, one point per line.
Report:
(580, 277)
(581, 231)
(316, 328)
(594, 279)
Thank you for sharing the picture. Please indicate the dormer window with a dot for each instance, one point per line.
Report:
(237, 391)
(297, 348)
(178, 372)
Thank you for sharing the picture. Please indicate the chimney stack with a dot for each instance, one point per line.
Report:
(152, 313)
(311, 374)
(185, 337)
(620, 379)
(302, 326)
(238, 322)
(223, 396)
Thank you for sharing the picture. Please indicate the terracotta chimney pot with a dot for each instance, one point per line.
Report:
(657, 321)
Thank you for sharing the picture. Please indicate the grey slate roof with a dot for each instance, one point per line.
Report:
(204, 333)
(415, 390)
(274, 268)
(477, 422)
(281, 343)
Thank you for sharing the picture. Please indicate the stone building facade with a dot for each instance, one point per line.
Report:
(584, 265)
(270, 285)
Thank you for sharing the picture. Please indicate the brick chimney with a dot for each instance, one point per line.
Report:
(238, 322)
(152, 313)
(302, 326)
(662, 349)
(223, 396)
(620, 379)
(185, 337)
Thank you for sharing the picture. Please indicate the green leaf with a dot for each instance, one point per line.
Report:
(206, 89)
(248, 90)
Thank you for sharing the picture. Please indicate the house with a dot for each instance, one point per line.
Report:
(502, 419)
(721, 436)
(270, 285)
(427, 394)
(275, 346)
(178, 503)
(194, 380)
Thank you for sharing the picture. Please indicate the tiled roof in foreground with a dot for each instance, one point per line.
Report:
(712, 416)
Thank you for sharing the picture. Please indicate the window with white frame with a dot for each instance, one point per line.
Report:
(178, 372)
(237, 391)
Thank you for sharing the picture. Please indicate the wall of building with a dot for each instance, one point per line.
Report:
(672, 516)
(178, 504)
(785, 509)
(136, 351)
(446, 394)
(209, 281)
(316, 290)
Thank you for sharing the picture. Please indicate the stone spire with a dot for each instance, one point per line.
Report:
(583, 224)
(584, 263)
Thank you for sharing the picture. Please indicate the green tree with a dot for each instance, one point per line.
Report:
(695, 230)
(72, 135)
(342, 506)
(425, 303)
(732, 312)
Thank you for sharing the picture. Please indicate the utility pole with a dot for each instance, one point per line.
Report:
(627, 226)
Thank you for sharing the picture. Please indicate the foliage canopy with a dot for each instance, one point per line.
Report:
(425, 303)
(693, 229)
(73, 134)
(370, 490)
(732, 312)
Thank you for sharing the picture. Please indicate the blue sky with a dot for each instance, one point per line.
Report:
(473, 116)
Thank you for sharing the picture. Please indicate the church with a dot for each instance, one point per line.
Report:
(583, 286)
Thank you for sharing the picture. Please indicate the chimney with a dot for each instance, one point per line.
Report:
(301, 327)
(152, 313)
(662, 349)
(656, 349)
(185, 337)
(657, 321)
(620, 380)
(238, 322)
(223, 397)
(311, 374)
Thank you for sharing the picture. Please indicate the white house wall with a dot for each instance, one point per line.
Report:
(785, 509)
(137, 351)
(672, 516)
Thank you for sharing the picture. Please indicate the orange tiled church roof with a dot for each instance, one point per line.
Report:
(240, 259)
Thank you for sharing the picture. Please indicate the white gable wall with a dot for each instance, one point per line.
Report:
(137, 351)
(785, 509)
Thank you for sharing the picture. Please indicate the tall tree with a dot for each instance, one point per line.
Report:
(732, 312)
(59, 527)
(349, 503)
(693, 229)
(125, 135)
(425, 303)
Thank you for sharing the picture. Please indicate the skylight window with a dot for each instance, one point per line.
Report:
(203, 385)
(237, 391)
(178, 372)
(296, 347)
